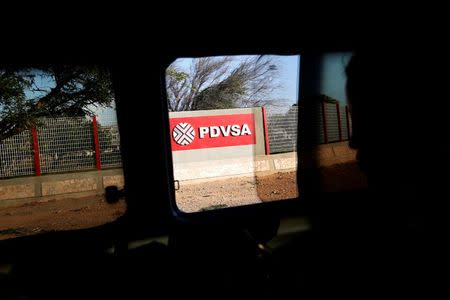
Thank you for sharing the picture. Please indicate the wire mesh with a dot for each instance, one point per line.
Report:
(66, 144)
(282, 128)
(16, 155)
(109, 139)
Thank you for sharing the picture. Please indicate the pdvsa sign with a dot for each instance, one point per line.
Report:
(212, 131)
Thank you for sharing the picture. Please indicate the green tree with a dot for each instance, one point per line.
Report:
(69, 91)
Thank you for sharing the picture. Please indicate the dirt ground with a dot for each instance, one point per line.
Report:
(79, 213)
(61, 214)
(236, 191)
(342, 178)
(69, 214)
(249, 190)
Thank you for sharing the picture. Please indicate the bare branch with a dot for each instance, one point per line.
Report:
(218, 82)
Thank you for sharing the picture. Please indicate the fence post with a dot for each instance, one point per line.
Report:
(37, 162)
(96, 143)
(324, 122)
(338, 112)
(348, 122)
(266, 130)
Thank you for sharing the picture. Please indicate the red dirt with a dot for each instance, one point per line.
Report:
(79, 213)
(342, 177)
(63, 214)
(277, 186)
(236, 191)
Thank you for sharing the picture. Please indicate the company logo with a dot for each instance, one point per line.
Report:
(199, 132)
(183, 134)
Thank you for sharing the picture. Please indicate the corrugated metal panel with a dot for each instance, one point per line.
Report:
(283, 127)
(344, 124)
(332, 122)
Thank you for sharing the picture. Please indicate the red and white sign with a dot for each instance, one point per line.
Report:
(190, 133)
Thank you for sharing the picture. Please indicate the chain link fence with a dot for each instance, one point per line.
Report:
(62, 145)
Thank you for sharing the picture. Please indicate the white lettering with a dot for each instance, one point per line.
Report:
(225, 130)
(214, 131)
(245, 130)
(203, 131)
(235, 130)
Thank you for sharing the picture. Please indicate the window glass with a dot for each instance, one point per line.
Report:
(59, 149)
(233, 129)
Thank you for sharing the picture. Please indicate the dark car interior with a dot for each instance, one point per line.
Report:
(323, 243)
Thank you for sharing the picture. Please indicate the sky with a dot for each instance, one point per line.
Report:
(289, 77)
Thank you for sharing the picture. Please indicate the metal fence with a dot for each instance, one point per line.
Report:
(77, 144)
(282, 129)
(109, 141)
(16, 155)
(66, 144)
(62, 145)
(333, 124)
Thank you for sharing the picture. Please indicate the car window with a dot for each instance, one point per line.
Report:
(59, 149)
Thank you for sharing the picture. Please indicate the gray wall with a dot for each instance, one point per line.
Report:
(19, 191)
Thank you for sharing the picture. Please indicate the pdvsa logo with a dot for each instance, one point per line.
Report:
(201, 132)
(183, 134)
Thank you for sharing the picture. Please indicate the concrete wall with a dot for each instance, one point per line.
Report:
(20, 191)
(235, 166)
(326, 155)
(207, 154)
